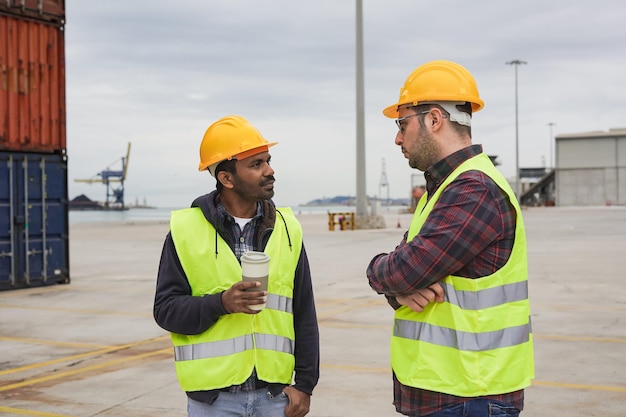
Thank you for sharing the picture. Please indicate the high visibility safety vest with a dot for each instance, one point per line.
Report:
(479, 340)
(226, 353)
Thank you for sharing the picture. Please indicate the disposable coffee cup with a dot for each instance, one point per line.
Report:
(255, 267)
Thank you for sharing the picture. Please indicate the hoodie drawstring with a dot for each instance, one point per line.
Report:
(215, 243)
(286, 229)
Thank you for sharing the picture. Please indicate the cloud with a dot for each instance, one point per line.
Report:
(158, 74)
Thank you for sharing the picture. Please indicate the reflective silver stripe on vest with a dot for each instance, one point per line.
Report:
(213, 349)
(490, 297)
(443, 336)
(280, 303)
(273, 342)
(232, 346)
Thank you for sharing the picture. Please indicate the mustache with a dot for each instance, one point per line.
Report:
(268, 180)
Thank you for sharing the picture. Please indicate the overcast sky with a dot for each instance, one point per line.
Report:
(158, 73)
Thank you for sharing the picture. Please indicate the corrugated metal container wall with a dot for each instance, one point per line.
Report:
(48, 10)
(32, 85)
(34, 227)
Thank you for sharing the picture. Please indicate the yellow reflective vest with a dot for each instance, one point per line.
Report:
(478, 341)
(225, 354)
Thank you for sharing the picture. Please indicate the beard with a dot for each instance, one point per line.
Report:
(424, 152)
(253, 192)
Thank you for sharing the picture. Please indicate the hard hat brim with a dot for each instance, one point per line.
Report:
(392, 111)
(242, 155)
(253, 151)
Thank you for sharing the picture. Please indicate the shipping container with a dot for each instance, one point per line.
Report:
(34, 227)
(48, 10)
(32, 85)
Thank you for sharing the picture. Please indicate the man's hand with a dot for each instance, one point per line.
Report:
(421, 298)
(236, 299)
(299, 402)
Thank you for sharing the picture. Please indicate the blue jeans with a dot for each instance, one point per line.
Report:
(259, 403)
(478, 408)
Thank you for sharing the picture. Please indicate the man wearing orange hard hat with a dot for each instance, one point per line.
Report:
(237, 351)
(462, 340)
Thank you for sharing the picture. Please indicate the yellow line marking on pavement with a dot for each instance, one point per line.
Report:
(81, 355)
(52, 342)
(580, 386)
(323, 365)
(82, 370)
(30, 412)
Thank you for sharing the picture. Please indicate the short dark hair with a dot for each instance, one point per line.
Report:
(459, 128)
(228, 165)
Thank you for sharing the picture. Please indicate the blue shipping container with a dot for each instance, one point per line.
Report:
(34, 227)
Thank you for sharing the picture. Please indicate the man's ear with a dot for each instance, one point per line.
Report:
(436, 117)
(225, 178)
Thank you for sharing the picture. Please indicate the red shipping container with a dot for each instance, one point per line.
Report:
(32, 85)
(48, 10)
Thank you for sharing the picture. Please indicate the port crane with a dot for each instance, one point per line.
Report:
(114, 196)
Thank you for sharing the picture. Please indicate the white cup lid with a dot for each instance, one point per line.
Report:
(254, 257)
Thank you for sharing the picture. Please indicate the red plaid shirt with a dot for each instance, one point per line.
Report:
(469, 233)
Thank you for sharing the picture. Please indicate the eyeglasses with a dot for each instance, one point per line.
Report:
(402, 119)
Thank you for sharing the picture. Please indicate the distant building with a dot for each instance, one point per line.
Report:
(591, 168)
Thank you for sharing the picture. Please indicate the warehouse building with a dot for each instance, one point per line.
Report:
(591, 168)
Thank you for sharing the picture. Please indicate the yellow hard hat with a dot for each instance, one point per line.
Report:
(230, 137)
(437, 81)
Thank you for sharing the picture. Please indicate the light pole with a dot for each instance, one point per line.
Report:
(516, 63)
(361, 192)
(552, 164)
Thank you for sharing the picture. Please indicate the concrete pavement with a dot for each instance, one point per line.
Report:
(91, 348)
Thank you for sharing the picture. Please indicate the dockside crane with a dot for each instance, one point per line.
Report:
(114, 196)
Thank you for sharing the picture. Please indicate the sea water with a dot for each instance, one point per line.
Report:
(162, 214)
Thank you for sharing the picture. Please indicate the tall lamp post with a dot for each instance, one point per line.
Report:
(552, 164)
(361, 192)
(516, 63)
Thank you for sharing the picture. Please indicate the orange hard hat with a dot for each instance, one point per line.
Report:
(437, 81)
(231, 137)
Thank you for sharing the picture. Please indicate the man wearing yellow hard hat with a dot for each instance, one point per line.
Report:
(462, 341)
(231, 356)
